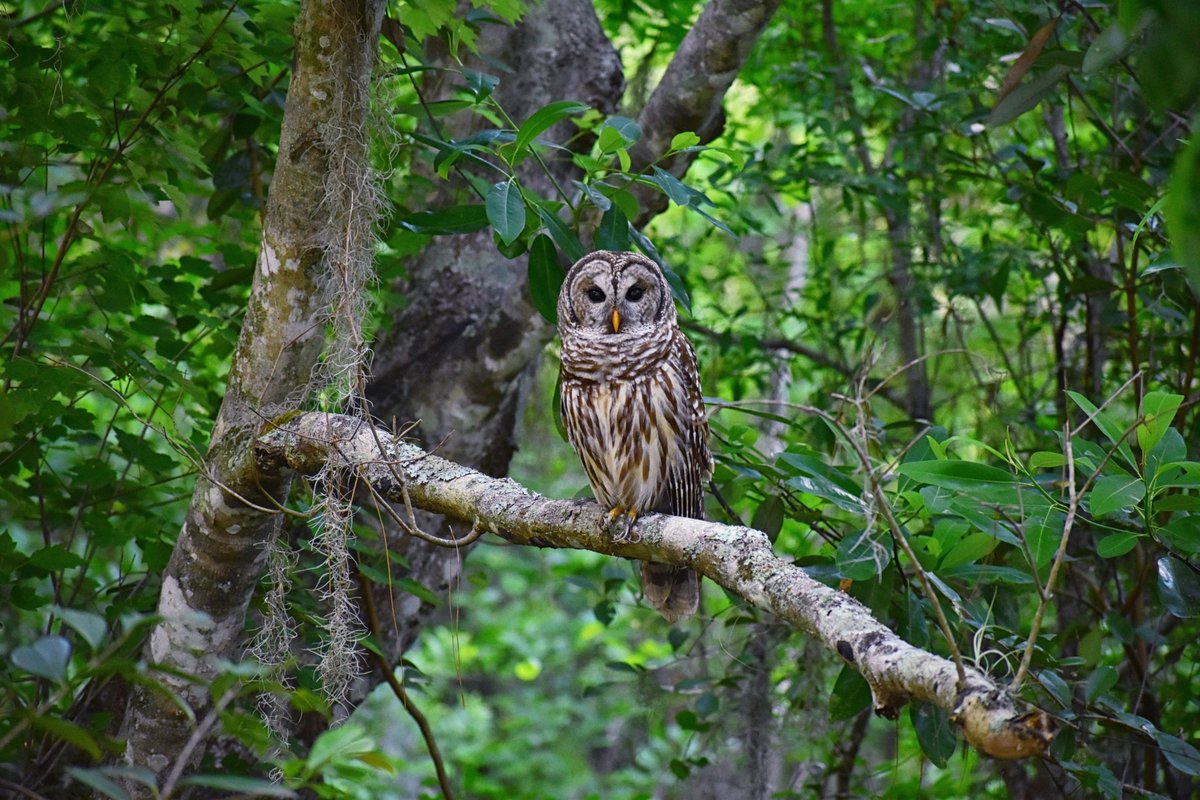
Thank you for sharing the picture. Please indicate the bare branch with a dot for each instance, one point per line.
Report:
(739, 559)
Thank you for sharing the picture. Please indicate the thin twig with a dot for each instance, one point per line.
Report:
(1073, 495)
(206, 725)
(19, 789)
(389, 674)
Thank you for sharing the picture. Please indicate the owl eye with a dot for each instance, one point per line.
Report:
(634, 294)
(595, 295)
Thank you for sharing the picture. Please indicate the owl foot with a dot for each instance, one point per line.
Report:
(622, 532)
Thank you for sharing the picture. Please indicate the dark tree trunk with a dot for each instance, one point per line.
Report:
(461, 353)
(462, 350)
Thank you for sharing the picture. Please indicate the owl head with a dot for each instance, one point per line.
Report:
(614, 294)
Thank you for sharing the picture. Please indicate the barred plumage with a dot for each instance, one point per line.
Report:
(632, 406)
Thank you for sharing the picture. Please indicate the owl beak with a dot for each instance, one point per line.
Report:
(616, 321)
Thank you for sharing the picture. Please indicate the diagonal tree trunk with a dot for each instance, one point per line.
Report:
(691, 94)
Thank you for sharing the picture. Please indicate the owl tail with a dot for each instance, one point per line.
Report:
(672, 591)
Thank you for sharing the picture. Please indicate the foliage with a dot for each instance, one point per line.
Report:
(1031, 219)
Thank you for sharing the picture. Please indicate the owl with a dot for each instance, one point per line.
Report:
(632, 406)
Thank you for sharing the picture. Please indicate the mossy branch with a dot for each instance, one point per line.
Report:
(739, 559)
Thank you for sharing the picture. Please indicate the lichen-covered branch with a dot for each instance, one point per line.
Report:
(740, 559)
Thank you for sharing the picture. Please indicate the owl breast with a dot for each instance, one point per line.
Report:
(628, 437)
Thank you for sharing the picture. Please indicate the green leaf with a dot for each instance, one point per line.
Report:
(433, 108)
(97, 781)
(605, 612)
(455, 219)
(683, 140)
(1182, 533)
(545, 277)
(618, 132)
(1043, 459)
(92, 627)
(1117, 544)
(1107, 425)
(1106, 49)
(563, 236)
(613, 233)
(541, 120)
(988, 573)
(1043, 538)
(624, 159)
(416, 589)
(610, 140)
(1166, 457)
(70, 733)
(1053, 683)
(1182, 755)
(934, 733)
(1115, 493)
(861, 557)
(595, 197)
(46, 658)
(1158, 409)
(962, 475)
(242, 784)
(528, 669)
(811, 475)
(1099, 682)
(707, 704)
(1179, 588)
(851, 694)
(968, 550)
(673, 188)
(506, 210)
(768, 517)
(1025, 98)
(480, 84)
(339, 744)
(54, 558)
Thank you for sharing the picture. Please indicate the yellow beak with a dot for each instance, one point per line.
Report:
(616, 322)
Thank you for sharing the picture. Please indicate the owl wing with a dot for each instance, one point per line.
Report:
(683, 494)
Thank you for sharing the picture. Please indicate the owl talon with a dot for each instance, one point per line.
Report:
(629, 534)
(622, 532)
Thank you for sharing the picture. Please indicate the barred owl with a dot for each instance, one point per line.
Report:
(632, 406)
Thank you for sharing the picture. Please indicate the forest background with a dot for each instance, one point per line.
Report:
(940, 263)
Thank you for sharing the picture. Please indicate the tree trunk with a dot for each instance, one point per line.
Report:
(219, 555)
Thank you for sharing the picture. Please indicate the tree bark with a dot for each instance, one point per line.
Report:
(739, 559)
(219, 555)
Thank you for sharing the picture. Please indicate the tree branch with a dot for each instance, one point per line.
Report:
(739, 559)
(691, 94)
